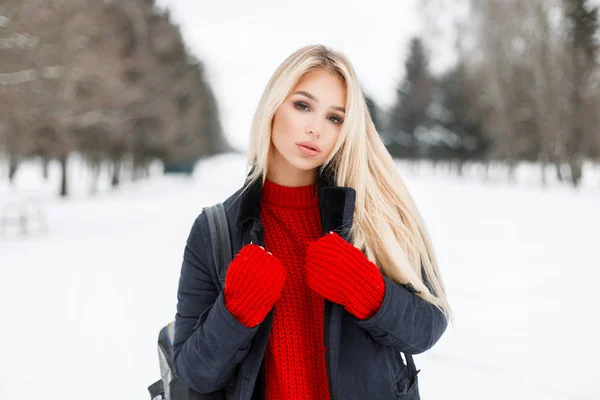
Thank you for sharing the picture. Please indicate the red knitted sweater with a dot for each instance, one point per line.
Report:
(304, 268)
(295, 355)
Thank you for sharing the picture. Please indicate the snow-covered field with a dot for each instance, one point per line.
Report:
(82, 304)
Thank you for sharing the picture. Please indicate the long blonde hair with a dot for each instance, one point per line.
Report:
(387, 225)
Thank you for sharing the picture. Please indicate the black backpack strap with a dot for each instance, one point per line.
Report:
(410, 363)
(220, 240)
(156, 390)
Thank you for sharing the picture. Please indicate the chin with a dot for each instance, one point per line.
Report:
(304, 164)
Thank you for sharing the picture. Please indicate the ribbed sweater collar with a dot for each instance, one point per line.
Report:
(291, 197)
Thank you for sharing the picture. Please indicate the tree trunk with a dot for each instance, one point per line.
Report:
(95, 167)
(137, 166)
(512, 166)
(13, 165)
(559, 174)
(116, 172)
(460, 168)
(45, 163)
(63, 183)
(544, 177)
(576, 171)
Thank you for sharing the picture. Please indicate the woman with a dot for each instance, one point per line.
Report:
(334, 273)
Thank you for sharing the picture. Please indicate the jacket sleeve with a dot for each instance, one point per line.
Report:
(405, 321)
(209, 342)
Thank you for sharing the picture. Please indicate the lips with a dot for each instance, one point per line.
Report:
(310, 145)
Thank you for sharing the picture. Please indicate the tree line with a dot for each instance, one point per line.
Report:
(111, 81)
(525, 87)
(114, 82)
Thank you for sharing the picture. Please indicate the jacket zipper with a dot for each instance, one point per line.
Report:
(329, 350)
(256, 232)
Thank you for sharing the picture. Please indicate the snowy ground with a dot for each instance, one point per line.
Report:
(81, 306)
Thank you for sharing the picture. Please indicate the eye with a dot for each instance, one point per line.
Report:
(301, 106)
(304, 107)
(336, 120)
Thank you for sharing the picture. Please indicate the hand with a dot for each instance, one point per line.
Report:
(342, 274)
(253, 284)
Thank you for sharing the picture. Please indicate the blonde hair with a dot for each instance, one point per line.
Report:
(387, 225)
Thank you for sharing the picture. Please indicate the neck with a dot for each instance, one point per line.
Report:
(285, 174)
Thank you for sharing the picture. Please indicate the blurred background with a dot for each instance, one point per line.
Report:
(120, 120)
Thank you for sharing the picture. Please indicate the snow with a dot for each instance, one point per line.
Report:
(82, 304)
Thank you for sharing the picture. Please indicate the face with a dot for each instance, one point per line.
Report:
(311, 116)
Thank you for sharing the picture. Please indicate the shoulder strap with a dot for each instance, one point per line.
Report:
(220, 241)
(410, 363)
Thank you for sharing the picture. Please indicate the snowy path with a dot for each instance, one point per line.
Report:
(81, 306)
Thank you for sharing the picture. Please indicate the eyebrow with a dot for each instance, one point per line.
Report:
(313, 98)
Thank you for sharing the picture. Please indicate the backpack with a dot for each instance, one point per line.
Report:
(169, 387)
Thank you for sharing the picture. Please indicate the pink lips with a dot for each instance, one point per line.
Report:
(310, 145)
(309, 149)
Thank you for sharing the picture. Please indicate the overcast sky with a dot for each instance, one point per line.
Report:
(242, 43)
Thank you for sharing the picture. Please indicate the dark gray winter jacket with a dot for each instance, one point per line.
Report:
(213, 352)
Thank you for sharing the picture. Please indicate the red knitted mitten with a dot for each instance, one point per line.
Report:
(341, 273)
(253, 284)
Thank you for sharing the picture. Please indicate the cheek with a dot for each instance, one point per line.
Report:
(287, 128)
(277, 129)
(290, 122)
(281, 132)
(286, 120)
(329, 143)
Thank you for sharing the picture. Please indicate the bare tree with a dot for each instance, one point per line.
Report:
(109, 80)
(534, 63)
(581, 27)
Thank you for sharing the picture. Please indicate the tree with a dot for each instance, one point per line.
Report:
(112, 81)
(413, 97)
(375, 114)
(460, 137)
(535, 66)
(582, 26)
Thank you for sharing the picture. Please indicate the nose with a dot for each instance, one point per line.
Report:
(313, 131)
